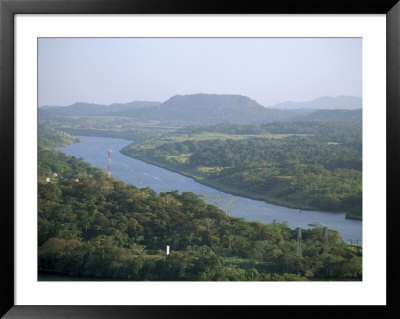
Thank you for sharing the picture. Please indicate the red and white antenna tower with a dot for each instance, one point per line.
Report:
(109, 163)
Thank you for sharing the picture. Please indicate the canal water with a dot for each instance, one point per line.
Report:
(94, 151)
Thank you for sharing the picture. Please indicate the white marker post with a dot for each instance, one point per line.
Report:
(167, 250)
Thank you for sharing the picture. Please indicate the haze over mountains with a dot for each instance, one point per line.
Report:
(324, 102)
(208, 109)
(90, 109)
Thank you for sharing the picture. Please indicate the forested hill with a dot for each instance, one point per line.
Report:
(331, 116)
(199, 109)
(209, 108)
(91, 109)
(49, 138)
(304, 164)
(92, 225)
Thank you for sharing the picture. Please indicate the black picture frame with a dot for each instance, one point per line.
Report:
(8, 8)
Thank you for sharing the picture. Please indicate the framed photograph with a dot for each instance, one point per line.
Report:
(170, 158)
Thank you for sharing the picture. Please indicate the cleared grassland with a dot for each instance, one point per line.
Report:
(223, 136)
(206, 136)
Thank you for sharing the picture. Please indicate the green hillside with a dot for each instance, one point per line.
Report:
(195, 109)
(308, 165)
(92, 225)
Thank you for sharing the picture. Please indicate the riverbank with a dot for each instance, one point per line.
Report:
(224, 187)
(131, 170)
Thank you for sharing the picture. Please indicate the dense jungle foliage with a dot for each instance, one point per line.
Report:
(92, 225)
(305, 164)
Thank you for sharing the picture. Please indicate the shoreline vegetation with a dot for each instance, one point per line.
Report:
(94, 226)
(303, 165)
(319, 167)
(307, 158)
(225, 188)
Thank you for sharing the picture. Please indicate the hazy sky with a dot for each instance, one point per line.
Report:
(269, 70)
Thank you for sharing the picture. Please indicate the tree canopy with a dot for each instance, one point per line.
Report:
(92, 225)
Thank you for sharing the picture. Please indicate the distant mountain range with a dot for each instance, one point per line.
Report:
(324, 102)
(90, 109)
(205, 109)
